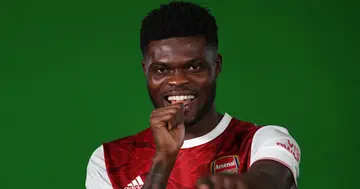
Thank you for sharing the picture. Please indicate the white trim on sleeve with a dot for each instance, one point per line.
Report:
(275, 143)
(96, 175)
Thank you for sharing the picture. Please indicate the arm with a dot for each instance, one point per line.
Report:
(263, 174)
(167, 125)
(274, 164)
(269, 174)
(159, 173)
(274, 161)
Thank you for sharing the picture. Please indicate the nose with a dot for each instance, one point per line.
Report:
(178, 78)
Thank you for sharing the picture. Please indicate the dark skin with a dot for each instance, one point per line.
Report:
(187, 66)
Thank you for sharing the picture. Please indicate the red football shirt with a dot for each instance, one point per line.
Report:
(232, 146)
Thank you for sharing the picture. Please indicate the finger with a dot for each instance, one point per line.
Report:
(229, 183)
(179, 119)
(180, 105)
(177, 104)
(240, 185)
(164, 110)
(203, 186)
(218, 181)
(172, 123)
(205, 183)
(161, 121)
(211, 182)
(162, 115)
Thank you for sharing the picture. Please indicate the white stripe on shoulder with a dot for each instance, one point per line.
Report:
(96, 175)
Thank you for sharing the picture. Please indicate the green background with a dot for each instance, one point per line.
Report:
(71, 79)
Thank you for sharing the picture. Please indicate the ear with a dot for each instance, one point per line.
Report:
(218, 65)
(143, 67)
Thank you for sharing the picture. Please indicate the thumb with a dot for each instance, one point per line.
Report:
(180, 115)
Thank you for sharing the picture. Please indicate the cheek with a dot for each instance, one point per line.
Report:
(155, 81)
(203, 81)
(154, 85)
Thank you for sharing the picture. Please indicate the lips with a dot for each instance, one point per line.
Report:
(184, 97)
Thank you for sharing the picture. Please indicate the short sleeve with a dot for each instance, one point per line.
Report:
(275, 143)
(96, 175)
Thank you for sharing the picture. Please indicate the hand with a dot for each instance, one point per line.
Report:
(221, 181)
(168, 128)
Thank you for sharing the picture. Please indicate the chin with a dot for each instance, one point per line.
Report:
(190, 120)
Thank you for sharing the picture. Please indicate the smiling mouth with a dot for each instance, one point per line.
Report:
(185, 99)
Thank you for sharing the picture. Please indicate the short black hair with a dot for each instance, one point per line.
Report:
(178, 19)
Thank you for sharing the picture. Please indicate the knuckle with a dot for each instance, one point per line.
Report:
(168, 116)
(173, 111)
(152, 113)
(152, 122)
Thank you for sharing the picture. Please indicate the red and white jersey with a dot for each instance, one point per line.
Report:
(232, 146)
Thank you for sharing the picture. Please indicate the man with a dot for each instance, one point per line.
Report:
(189, 144)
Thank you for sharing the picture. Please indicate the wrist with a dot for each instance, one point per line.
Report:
(165, 158)
(160, 171)
(167, 162)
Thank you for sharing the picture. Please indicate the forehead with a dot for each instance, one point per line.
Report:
(177, 49)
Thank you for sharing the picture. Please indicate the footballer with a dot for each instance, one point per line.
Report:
(189, 144)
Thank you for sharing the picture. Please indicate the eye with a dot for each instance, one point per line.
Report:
(195, 67)
(161, 70)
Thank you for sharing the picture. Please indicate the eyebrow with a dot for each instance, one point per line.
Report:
(194, 60)
(158, 64)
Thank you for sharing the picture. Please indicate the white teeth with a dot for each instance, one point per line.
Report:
(181, 97)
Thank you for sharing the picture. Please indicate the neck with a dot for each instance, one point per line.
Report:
(204, 125)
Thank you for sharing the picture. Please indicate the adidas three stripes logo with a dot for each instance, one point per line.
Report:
(135, 184)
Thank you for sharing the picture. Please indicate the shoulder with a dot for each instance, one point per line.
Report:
(270, 132)
(96, 173)
(274, 142)
(112, 153)
(259, 134)
(243, 129)
(128, 147)
(276, 136)
(128, 141)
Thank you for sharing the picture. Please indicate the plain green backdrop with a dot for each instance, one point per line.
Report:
(71, 79)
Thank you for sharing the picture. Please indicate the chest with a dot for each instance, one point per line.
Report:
(191, 164)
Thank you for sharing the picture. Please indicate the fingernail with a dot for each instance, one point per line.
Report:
(203, 186)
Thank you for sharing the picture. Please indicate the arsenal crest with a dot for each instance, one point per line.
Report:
(227, 164)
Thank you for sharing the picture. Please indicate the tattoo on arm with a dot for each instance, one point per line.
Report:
(158, 176)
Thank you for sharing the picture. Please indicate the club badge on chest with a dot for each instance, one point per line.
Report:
(227, 164)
